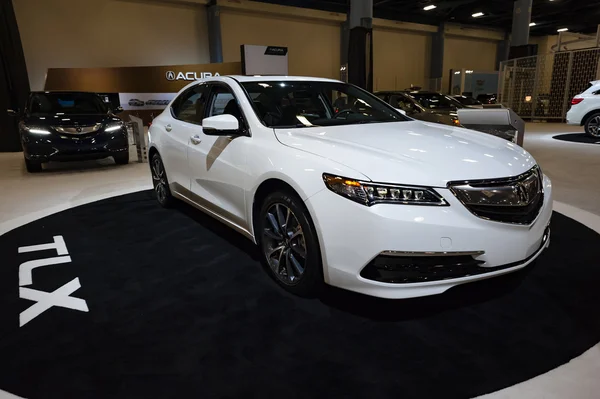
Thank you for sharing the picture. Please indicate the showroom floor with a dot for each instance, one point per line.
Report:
(573, 167)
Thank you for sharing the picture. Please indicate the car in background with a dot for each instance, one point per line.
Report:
(487, 98)
(365, 199)
(435, 101)
(68, 126)
(468, 102)
(414, 109)
(134, 102)
(585, 110)
(152, 102)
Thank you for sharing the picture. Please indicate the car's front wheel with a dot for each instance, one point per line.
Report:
(289, 244)
(160, 181)
(32, 166)
(122, 158)
(592, 125)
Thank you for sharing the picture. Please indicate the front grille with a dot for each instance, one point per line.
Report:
(78, 129)
(516, 200)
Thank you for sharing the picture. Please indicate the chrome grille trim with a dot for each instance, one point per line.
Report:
(78, 129)
(515, 200)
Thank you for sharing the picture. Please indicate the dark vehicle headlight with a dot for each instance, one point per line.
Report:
(42, 131)
(368, 193)
(111, 127)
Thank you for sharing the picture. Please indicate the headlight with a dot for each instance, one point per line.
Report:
(369, 194)
(34, 129)
(113, 126)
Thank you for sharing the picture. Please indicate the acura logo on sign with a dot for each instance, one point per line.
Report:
(189, 75)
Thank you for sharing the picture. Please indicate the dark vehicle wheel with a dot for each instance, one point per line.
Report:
(592, 126)
(32, 166)
(161, 184)
(122, 158)
(289, 244)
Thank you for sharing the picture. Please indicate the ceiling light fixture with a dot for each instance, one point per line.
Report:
(562, 29)
(429, 7)
(532, 24)
(477, 14)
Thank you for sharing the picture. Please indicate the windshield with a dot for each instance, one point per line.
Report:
(66, 103)
(285, 104)
(435, 100)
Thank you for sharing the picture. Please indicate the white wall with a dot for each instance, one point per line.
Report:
(109, 33)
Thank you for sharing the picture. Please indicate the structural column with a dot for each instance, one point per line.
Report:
(215, 46)
(521, 21)
(436, 67)
(360, 44)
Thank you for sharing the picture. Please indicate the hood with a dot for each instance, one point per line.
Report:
(68, 120)
(413, 152)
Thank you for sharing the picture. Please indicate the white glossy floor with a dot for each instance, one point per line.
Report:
(574, 169)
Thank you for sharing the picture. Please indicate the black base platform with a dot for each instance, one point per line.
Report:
(577, 138)
(178, 306)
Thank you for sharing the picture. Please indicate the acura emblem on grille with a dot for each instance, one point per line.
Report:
(521, 193)
(78, 128)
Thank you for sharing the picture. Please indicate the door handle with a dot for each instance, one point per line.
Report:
(168, 128)
(195, 139)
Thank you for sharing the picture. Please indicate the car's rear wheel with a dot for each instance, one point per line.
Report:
(160, 181)
(32, 166)
(122, 158)
(592, 125)
(289, 244)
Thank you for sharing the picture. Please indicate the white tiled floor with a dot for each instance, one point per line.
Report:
(574, 169)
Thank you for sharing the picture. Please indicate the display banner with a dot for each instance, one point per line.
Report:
(264, 60)
(145, 101)
(147, 79)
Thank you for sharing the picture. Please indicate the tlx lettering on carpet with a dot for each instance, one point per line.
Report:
(61, 297)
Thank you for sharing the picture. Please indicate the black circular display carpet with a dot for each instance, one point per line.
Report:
(577, 138)
(123, 299)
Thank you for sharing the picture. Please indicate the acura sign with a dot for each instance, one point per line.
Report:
(171, 75)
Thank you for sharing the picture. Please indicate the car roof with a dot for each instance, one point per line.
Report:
(268, 78)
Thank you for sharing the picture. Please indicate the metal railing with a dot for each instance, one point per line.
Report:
(542, 86)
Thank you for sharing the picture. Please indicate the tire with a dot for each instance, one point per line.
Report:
(160, 182)
(282, 254)
(32, 166)
(592, 125)
(122, 158)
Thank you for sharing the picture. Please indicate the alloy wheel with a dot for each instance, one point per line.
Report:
(283, 244)
(159, 178)
(594, 125)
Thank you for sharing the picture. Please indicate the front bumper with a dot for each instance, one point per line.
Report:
(351, 236)
(57, 147)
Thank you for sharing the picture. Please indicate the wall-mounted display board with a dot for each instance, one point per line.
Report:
(147, 79)
(264, 60)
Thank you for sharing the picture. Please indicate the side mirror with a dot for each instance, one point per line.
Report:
(403, 112)
(12, 112)
(117, 110)
(221, 125)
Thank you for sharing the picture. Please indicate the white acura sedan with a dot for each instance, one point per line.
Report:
(335, 186)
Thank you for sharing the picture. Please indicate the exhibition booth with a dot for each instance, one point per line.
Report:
(301, 237)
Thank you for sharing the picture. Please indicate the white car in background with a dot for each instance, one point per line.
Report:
(585, 110)
(363, 198)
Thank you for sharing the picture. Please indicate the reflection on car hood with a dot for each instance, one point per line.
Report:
(412, 152)
(68, 120)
